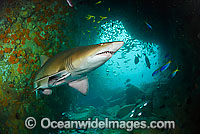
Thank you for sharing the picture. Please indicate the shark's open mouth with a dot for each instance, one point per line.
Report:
(106, 52)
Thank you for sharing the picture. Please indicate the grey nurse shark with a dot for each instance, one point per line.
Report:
(71, 66)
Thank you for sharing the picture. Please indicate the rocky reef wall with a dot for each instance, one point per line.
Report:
(28, 29)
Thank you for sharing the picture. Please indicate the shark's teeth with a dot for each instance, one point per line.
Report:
(105, 52)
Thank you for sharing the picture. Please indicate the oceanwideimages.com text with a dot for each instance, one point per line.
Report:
(46, 123)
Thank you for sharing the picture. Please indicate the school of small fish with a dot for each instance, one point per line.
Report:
(136, 60)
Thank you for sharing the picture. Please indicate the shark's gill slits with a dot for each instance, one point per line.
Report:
(105, 52)
(67, 64)
(70, 64)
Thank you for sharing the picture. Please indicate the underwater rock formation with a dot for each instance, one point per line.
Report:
(133, 94)
(83, 114)
(125, 110)
(112, 111)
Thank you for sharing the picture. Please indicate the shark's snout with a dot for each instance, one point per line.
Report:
(110, 48)
(117, 45)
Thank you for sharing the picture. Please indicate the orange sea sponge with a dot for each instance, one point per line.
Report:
(27, 31)
(41, 17)
(56, 8)
(40, 28)
(45, 21)
(18, 26)
(7, 50)
(35, 66)
(58, 22)
(23, 42)
(14, 36)
(26, 65)
(20, 65)
(27, 36)
(6, 40)
(41, 37)
(20, 51)
(12, 59)
(11, 85)
(16, 60)
(8, 30)
(46, 27)
(1, 51)
(14, 52)
(23, 54)
(24, 30)
(23, 38)
(37, 41)
(19, 69)
(13, 42)
(2, 36)
(47, 36)
(19, 34)
(43, 46)
(9, 20)
(31, 61)
(38, 7)
(55, 27)
(8, 10)
(29, 20)
(31, 55)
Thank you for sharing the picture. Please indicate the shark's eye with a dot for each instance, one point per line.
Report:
(101, 44)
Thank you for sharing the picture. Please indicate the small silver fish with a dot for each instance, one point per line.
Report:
(69, 2)
(47, 91)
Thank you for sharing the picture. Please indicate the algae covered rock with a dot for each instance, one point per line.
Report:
(125, 110)
(83, 114)
(133, 93)
(3, 23)
(113, 110)
(26, 12)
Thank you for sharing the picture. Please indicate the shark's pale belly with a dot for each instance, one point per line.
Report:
(65, 78)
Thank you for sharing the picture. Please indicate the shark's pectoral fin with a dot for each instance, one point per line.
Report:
(81, 85)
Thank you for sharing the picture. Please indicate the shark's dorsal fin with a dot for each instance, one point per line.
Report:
(43, 59)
